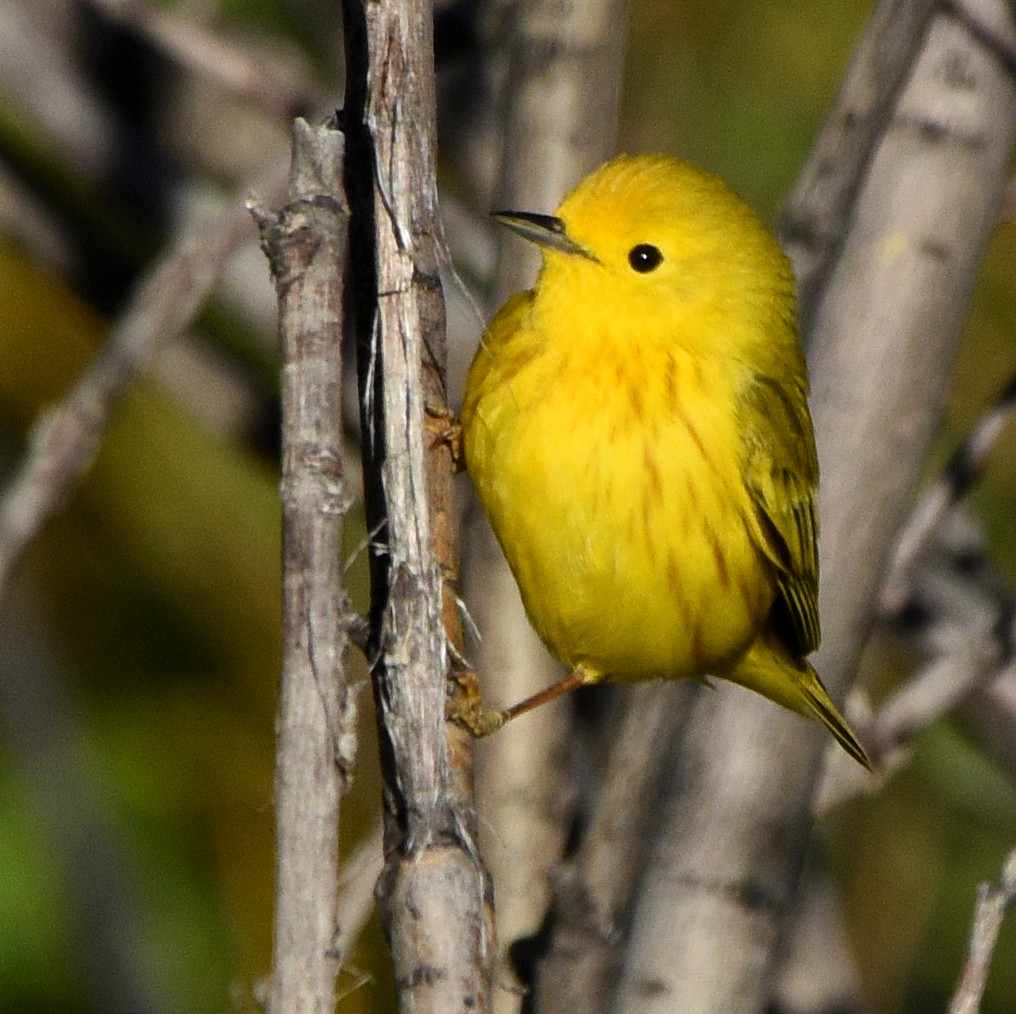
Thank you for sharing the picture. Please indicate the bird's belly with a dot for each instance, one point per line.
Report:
(630, 547)
(628, 601)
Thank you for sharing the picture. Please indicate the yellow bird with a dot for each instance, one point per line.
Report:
(637, 429)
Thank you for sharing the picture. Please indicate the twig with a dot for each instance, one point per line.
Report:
(960, 474)
(960, 610)
(306, 243)
(357, 881)
(993, 903)
(65, 438)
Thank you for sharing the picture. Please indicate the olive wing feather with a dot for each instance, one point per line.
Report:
(780, 470)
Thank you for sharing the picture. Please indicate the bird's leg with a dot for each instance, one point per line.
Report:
(572, 681)
(442, 426)
(468, 710)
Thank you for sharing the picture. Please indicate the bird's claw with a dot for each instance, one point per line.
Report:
(465, 706)
(443, 427)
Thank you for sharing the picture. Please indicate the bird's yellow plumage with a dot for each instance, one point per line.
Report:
(637, 430)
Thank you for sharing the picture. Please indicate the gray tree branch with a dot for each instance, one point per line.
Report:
(306, 244)
(433, 891)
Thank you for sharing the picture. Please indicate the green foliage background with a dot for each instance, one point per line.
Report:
(140, 637)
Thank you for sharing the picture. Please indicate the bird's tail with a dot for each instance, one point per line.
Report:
(821, 705)
(769, 670)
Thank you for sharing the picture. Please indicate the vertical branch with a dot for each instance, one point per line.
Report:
(593, 888)
(433, 890)
(565, 68)
(306, 243)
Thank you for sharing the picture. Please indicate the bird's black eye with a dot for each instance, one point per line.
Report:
(645, 258)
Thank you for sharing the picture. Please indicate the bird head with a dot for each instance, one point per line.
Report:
(651, 238)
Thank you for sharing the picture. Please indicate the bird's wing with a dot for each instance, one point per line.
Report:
(780, 470)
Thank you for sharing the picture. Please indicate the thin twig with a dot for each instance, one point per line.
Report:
(959, 610)
(66, 438)
(961, 473)
(993, 903)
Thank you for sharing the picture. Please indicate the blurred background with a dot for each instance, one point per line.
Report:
(139, 632)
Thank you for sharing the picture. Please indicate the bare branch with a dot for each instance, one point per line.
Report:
(886, 326)
(306, 244)
(65, 438)
(433, 891)
(963, 470)
(593, 890)
(565, 68)
(993, 903)
(816, 217)
(816, 967)
(939, 575)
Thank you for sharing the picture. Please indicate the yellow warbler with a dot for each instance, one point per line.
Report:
(637, 430)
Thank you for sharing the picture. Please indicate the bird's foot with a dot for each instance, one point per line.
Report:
(465, 706)
(443, 427)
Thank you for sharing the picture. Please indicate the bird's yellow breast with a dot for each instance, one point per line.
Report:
(607, 466)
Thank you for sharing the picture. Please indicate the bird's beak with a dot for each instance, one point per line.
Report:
(543, 230)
